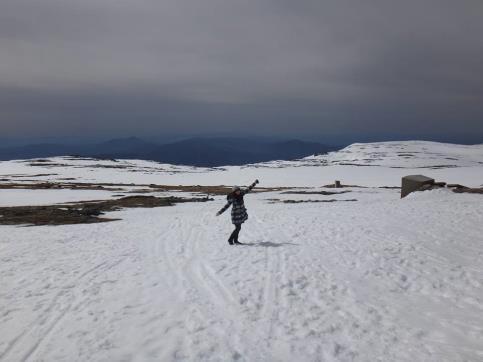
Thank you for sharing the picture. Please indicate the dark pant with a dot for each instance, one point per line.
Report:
(234, 234)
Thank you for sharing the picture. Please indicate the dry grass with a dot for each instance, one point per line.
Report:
(209, 190)
(84, 212)
(273, 201)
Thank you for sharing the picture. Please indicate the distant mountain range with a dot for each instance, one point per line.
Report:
(194, 151)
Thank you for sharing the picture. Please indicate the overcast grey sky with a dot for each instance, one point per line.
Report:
(143, 67)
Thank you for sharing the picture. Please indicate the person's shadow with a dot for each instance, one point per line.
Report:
(268, 244)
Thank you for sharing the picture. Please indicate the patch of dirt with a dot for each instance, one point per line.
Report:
(353, 164)
(460, 189)
(332, 186)
(147, 188)
(273, 201)
(47, 215)
(315, 192)
(56, 185)
(437, 167)
(38, 160)
(468, 190)
(85, 212)
(48, 165)
(213, 190)
(210, 190)
(27, 175)
(110, 166)
(143, 191)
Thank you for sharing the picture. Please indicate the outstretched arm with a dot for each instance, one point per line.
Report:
(250, 187)
(224, 208)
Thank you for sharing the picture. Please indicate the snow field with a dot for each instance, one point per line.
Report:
(28, 197)
(371, 164)
(378, 279)
(372, 280)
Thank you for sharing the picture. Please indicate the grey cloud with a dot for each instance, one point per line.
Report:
(279, 65)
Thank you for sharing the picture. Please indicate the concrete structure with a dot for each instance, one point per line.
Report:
(414, 182)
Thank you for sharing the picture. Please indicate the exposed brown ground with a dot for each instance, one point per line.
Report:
(210, 190)
(84, 212)
(316, 192)
(468, 190)
(273, 201)
(57, 185)
(332, 186)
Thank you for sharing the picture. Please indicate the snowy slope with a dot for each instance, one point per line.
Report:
(409, 154)
(379, 278)
(388, 162)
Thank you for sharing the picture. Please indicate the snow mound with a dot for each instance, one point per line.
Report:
(407, 154)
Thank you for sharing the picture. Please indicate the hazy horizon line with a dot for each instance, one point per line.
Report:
(332, 140)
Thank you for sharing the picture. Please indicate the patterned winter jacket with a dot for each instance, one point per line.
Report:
(238, 212)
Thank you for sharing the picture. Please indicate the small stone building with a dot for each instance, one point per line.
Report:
(412, 183)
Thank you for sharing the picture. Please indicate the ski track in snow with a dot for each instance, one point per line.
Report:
(163, 284)
(325, 296)
(380, 279)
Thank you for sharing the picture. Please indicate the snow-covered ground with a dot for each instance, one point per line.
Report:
(26, 197)
(377, 279)
(353, 165)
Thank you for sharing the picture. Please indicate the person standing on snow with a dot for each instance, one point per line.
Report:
(238, 212)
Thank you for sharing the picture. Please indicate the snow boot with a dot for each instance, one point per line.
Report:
(236, 242)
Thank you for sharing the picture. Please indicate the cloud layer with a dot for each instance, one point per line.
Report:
(143, 66)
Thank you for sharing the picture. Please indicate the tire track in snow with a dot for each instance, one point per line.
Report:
(194, 280)
(266, 293)
(269, 308)
(204, 280)
(164, 255)
(161, 249)
(207, 273)
(275, 277)
(51, 318)
(72, 305)
(206, 270)
(236, 331)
